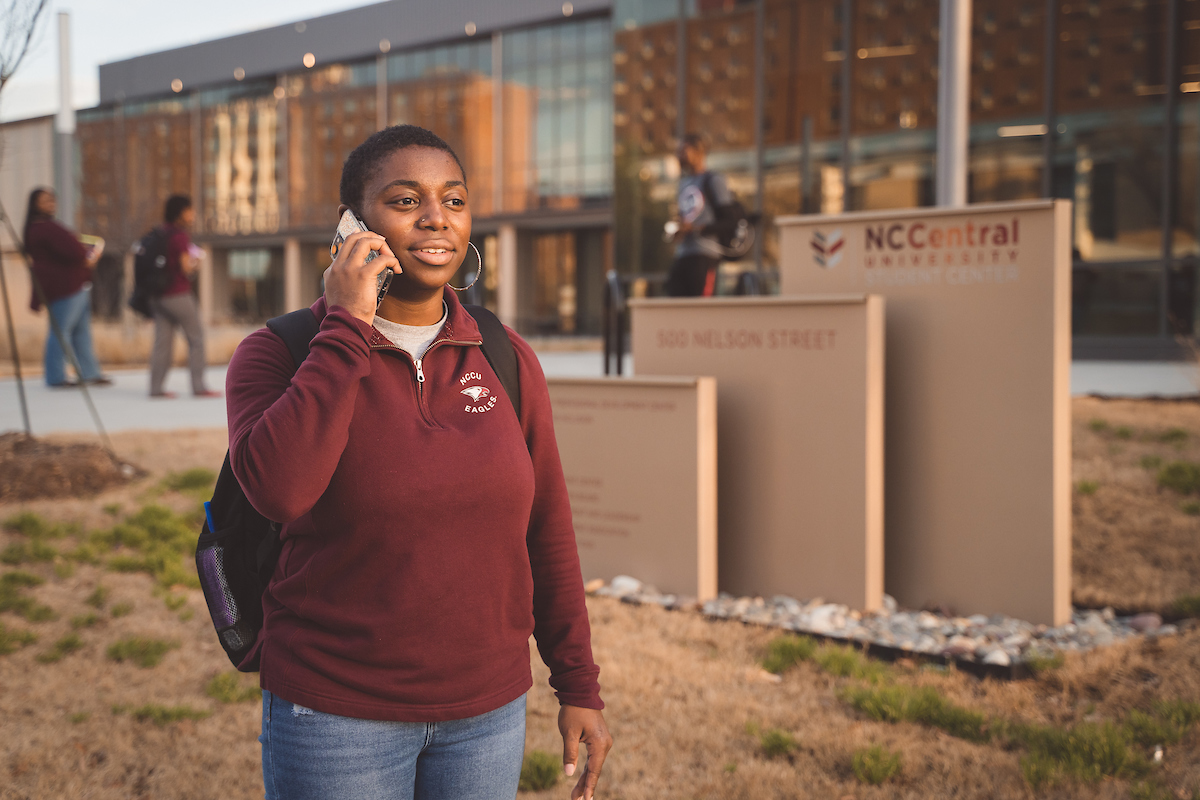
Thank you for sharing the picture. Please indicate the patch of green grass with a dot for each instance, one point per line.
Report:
(162, 715)
(1180, 476)
(145, 653)
(730, 767)
(121, 610)
(85, 620)
(63, 569)
(63, 647)
(845, 662)
(78, 717)
(1173, 436)
(32, 551)
(28, 524)
(1191, 508)
(196, 480)
(1186, 606)
(924, 705)
(113, 509)
(1123, 432)
(187, 614)
(1151, 462)
(1040, 664)
(539, 771)
(786, 651)
(11, 641)
(13, 598)
(875, 765)
(776, 743)
(1039, 770)
(1087, 488)
(163, 545)
(174, 602)
(1088, 752)
(228, 688)
(97, 598)
(1098, 425)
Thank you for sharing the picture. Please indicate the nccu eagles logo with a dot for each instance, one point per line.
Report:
(482, 398)
(827, 249)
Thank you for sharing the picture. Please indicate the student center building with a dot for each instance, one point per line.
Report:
(566, 115)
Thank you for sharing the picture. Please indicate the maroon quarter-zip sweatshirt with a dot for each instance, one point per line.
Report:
(428, 531)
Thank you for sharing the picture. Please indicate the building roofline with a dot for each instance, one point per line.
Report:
(349, 35)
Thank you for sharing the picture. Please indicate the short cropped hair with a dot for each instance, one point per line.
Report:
(176, 205)
(362, 162)
(695, 140)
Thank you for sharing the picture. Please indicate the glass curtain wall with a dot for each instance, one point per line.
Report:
(132, 158)
(242, 154)
(449, 90)
(330, 111)
(557, 111)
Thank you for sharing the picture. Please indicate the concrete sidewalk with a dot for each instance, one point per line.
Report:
(126, 406)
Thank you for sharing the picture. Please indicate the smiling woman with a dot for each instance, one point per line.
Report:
(426, 530)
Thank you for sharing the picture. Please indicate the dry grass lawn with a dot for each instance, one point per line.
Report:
(687, 700)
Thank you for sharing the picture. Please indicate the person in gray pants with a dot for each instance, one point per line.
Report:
(176, 307)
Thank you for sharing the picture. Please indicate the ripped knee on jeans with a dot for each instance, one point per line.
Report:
(300, 711)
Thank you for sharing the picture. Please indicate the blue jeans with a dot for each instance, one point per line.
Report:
(73, 314)
(309, 755)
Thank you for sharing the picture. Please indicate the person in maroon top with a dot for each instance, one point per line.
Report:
(176, 307)
(427, 530)
(62, 267)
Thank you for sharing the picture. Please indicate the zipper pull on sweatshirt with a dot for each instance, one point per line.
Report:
(420, 374)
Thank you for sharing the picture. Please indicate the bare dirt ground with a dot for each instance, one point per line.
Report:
(686, 696)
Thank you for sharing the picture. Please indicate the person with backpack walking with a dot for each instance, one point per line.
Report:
(61, 266)
(174, 306)
(702, 195)
(426, 529)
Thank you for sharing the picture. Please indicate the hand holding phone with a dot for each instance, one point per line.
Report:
(362, 268)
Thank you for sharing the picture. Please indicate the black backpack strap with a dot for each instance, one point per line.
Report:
(498, 350)
(297, 329)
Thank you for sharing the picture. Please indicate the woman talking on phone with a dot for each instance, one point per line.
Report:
(427, 529)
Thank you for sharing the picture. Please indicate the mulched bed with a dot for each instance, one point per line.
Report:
(31, 468)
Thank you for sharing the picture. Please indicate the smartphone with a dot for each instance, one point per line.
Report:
(348, 224)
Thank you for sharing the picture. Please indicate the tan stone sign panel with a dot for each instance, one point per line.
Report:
(978, 345)
(800, 435)
(640, 459)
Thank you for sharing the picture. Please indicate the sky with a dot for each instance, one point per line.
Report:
(103, 31)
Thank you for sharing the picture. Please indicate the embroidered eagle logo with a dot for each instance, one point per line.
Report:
(476, 392)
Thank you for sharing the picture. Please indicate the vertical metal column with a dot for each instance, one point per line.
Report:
(847, 115)
(1170, 161)
(381, 92)
(760, 77)
(681, 73)
(497, 124)
(64, 126)
(954, 95)
(1050, 98)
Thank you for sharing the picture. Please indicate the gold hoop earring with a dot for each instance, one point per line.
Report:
(478, 272)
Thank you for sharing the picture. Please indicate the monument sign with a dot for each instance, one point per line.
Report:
(640, 459)
(800, 432)
(978, 385)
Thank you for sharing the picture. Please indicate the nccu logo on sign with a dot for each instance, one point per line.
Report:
(827, 249)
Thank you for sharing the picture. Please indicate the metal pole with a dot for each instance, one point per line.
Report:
(1170, 161)
(681, 72)
(497, 123)
(760, 69)
(1049, 88)
(954, 87)
(847, 115)
(64, 124)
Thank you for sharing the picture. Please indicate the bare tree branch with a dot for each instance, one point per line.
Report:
(18, 23)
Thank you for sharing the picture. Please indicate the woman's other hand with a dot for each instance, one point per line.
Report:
(350, 282)
(584, 725)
